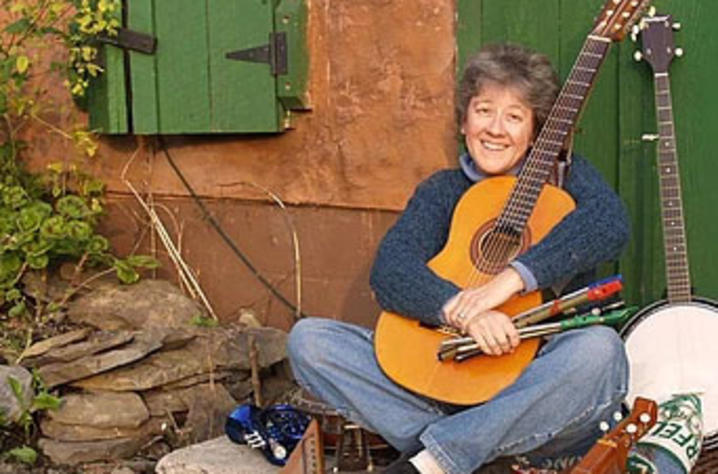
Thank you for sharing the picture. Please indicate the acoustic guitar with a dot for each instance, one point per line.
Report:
(671, 343)
(495, 220)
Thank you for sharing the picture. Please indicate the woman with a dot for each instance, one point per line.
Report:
(578, 377)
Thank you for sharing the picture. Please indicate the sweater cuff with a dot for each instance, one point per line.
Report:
(530, 283)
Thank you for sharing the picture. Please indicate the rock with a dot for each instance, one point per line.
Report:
(216, 456)
(64, 432)
(10, 407)
(234, 353)
(212, 350)
(72, 453)
(209, 406)
(198, 379)
(122, 470)
(97, 342)
(156, 370)
(102, 410)
(160, 402)
(248, 317)
(143, 305)
(42, 347)
(63, 372)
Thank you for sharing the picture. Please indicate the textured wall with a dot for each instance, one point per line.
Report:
(382, 75)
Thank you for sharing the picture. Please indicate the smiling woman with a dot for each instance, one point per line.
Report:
(551, 408)
(498, 129)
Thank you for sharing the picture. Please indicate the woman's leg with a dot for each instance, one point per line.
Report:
(578, 379)
(335, 362)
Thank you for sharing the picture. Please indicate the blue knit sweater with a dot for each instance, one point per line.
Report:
(596, 231)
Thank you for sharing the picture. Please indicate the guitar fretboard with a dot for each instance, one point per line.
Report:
(674, 233)
(552, 137)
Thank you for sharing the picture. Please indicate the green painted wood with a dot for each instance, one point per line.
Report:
(596, 134)
(468, 30)
(183, 82)
(243, 94)
(597, 131)
(107, 94)
(290, 17)
(143, 74)
(534, 23)
(695, 103)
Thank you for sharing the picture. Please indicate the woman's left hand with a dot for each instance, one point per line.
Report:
(475, 301)
(493, 331)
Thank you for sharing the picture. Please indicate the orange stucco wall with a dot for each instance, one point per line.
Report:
(381, 86)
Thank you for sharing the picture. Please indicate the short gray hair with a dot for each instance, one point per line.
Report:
(510, 65)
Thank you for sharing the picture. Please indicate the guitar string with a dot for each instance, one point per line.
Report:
(677, 291)
(497, 247)
(536, 169)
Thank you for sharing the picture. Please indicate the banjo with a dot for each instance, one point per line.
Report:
(670, 344)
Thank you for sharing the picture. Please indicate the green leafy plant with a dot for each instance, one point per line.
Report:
(41, 400)
(50, 218)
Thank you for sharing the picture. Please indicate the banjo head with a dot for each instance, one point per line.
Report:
(672, 349)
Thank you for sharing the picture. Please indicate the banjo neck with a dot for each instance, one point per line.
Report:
(675, 246)
(659, 51)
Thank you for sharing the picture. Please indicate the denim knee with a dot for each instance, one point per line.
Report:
(304, 339)
(596, 351)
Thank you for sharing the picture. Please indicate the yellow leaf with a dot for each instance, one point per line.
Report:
(22, 63)
(17, 7)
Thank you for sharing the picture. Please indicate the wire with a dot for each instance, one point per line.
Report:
(227, 239)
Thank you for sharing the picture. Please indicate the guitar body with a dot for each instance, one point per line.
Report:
(406, 349)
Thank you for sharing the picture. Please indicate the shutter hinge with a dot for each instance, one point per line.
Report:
(274, 53)
(133, 40)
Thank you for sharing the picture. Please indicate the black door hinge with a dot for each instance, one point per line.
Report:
(133, 40)
(274, 53)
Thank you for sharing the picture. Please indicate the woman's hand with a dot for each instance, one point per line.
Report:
(494, 332)
(475, 301)
(472, 312)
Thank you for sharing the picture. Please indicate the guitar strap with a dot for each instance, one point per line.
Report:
(563, 163)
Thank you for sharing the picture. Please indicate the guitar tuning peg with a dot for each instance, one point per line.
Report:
(644, 418)
(679, 52)
(604, 426)
(635, 30)
(650, 137)
(638, 56)
(676, 26)
(631, 428)
(652, 11)
(617, 416)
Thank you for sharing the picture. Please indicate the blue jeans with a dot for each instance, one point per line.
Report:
(577, 380)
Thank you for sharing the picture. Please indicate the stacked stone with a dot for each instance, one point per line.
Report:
(141, 371)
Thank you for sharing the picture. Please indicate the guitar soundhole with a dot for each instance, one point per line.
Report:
(493, 247)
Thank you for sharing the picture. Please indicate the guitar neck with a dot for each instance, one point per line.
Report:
(674, 233)
(554, 133)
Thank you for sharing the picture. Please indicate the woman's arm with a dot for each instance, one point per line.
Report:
(400, 278)
(595, 232)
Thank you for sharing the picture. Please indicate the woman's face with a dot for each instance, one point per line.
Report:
(498, 128)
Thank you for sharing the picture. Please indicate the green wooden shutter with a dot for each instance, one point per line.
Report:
(190, 86)
(107, 95)
(619, 111)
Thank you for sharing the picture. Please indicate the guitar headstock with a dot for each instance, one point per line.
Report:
(617, 18)
(610, 453)
(657, 42)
